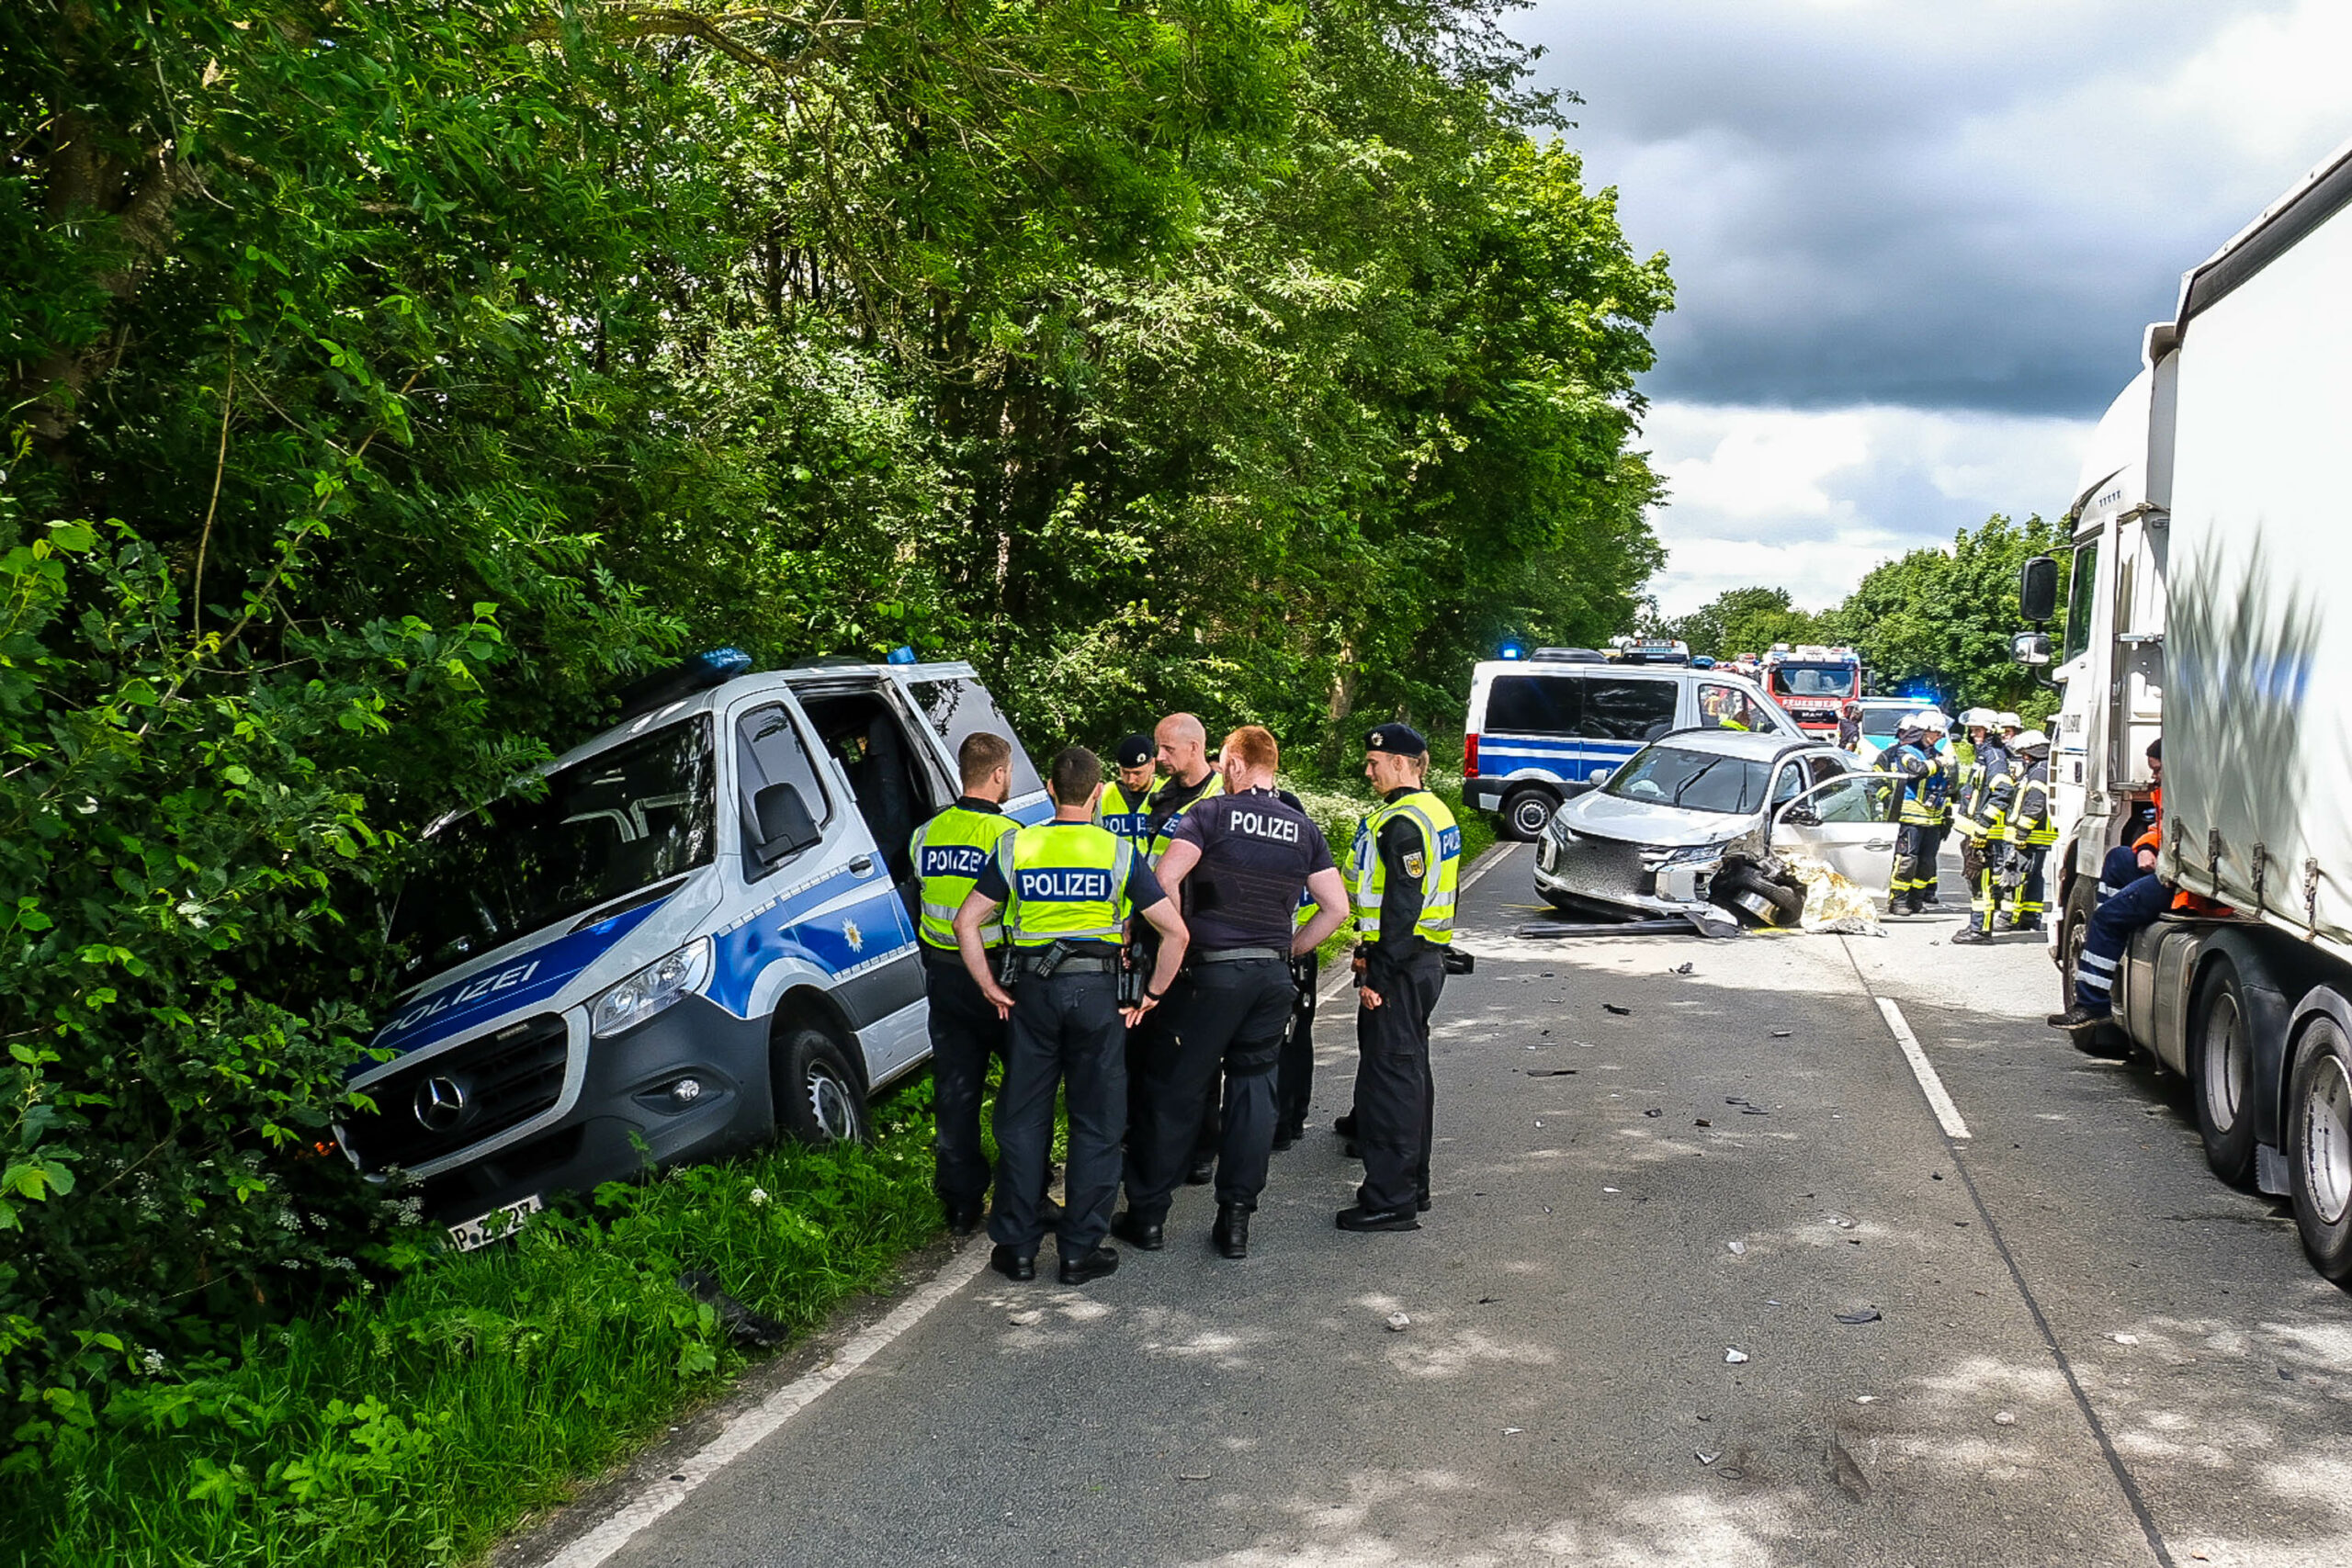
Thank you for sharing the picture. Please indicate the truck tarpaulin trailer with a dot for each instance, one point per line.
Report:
(2212, 548)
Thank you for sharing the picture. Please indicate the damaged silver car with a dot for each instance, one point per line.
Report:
(1699, 821)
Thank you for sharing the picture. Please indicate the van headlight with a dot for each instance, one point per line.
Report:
(650, 989)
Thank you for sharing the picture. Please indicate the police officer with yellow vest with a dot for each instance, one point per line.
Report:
(1127, 798)
(1066, 888)
(1401, 873)
(949, 852)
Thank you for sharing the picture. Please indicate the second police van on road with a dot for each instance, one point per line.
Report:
(1554, 723)
(702, 934)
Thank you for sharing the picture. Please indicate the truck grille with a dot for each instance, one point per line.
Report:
(462, 1096)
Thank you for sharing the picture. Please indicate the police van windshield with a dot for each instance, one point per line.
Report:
(1813, 679)
(1695, 780)
(622, 819)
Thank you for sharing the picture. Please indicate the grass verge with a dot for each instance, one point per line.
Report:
(419, 1422)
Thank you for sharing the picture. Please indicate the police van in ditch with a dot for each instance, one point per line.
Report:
(1552, 723)
(701, 934)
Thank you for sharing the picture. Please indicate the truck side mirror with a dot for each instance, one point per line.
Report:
(2037, 591)
(784, 826)
(2030, 647)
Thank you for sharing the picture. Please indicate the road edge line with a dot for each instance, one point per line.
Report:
(748, 1430)
(1939, 1099)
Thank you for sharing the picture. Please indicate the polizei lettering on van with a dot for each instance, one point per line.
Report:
(1051, 887)
(504, 979)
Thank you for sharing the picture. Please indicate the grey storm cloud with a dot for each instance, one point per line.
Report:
(1931, 205)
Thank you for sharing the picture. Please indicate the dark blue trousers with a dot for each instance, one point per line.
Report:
(2112, 924)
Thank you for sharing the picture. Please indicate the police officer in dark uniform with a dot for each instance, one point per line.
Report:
(1238, 862)
(1066, 888)
(1181, 747)
(1402, 876)
(948, 854)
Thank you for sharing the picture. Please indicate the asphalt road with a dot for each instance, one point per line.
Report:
(2088, 1350)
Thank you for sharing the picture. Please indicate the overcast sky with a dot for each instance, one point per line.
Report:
(1915, 242)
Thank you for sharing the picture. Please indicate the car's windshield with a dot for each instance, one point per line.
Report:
(1813, 679)
(1696, 781)
(620, 820)
(1881, 718)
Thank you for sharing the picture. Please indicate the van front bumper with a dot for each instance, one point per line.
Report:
(690, 1083)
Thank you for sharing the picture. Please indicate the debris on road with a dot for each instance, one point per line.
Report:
(1734, 1355)
(1513, 1431)
(1868, 1314)
(1842, 1221)
(1609, 1190)
(1703, 1121)
(1398, 1323)
(2005, 1418)
(1182, 1475)
(1738, 1249)
(1683, 968)
(1023, 1319)
(2125, 1339)
(1551, 1073)
(1704, 1458)
(1654, 1110)
(1620, 1011)
(1782, 1034)
(1866, 1399)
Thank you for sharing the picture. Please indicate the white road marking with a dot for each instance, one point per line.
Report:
(746, 1431)
(1938, 1099)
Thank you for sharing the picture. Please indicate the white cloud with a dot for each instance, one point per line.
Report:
(1810, 501)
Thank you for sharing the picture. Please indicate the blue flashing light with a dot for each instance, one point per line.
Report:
(1512, 649)
(902, 654)
(1702, 662)
(723, 663)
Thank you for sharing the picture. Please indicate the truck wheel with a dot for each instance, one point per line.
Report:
(2319, 1147)
(2221, 1070)
(817, 1099)
(1525, 811)
(2075, 928)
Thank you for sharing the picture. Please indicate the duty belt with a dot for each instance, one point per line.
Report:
(1073, 964)
(1241, 955)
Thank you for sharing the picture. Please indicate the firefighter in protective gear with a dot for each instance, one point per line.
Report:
(2033, 827)
(1988, 756)
(1922, 808)
(1991, 820)
(1935, 728)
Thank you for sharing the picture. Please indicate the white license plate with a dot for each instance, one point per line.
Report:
(483, 1229)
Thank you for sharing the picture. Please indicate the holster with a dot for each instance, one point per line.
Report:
(1132, 976)
(1457, 962)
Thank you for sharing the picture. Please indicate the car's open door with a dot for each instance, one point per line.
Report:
(1845, 822)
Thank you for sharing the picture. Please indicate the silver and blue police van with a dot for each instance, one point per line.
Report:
(700, 935)
(1552, 723)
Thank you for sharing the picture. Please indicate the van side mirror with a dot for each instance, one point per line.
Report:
(2038, 590)
(784, 826)
(2030, 647)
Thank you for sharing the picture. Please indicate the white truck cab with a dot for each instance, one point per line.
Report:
(699, 935)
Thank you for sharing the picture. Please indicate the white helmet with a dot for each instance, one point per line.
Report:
(2032, 741)
(1934, 719)
(1978, 719)
(2007, 720)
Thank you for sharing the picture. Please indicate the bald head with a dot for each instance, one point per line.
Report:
(1184, 743)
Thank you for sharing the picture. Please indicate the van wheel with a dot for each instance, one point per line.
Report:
(2074, 929)
(817, 1099)
(2220, 1073)
(2319, 1147)
(1525, 811)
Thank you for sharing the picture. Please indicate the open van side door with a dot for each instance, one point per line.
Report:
(950, 698)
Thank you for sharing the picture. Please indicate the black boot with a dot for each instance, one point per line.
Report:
(1011, 1264)
(1094, 1266)
(1145, 1235)
(1231, 1235)
(1969, 935)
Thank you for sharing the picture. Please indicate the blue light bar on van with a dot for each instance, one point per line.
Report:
(902, 654)
(1511, 651)
(713, 667)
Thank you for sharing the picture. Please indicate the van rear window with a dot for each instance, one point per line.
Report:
(1536, 705)
(957, 707)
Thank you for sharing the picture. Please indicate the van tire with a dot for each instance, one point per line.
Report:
(2220, 1073)
(2319, 1146)
(819, 1096)
(1525, 811)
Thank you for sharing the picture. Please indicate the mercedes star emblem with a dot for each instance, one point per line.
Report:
(440, 1104)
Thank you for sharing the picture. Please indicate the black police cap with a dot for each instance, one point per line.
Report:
(1135, 750)
(1398, 739)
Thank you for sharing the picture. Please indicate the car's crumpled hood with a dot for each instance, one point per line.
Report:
(1640, 822)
